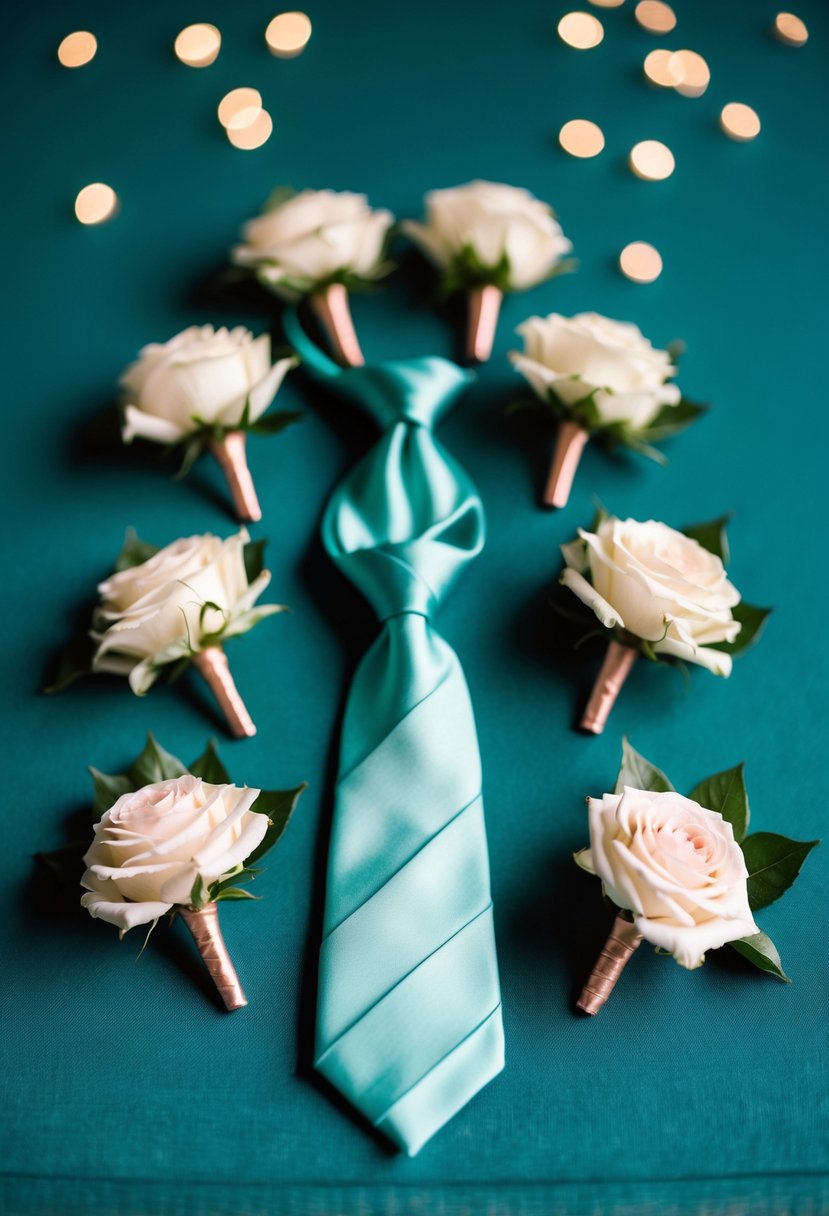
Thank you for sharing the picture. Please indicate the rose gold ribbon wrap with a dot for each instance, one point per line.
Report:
(212, 664)
(204, 925)
(484, 307)
(230, 453)
(566, 456)
(614, 671)
(334, 313)
(620, 945)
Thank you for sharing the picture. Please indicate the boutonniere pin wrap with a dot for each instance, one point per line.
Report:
(682, 872)
(487, 239)
(207, 389)
(319, 245)
(658, 593)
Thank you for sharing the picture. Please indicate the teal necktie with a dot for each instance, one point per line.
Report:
(409, 1021)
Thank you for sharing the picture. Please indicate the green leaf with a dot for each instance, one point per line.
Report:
(154, 764)
(712, 536)
(639, 773)
(278, 805)
(134, 552)
(235, 893)
(210, 768)
(191, 451)
(197, 894)
(254, 555)
(635, 444)
(240, 874)
(752, 620)
(74, 661)
(67, 862)
(726, 792)
(773, 864)
(762, 952)
(274, 422)
(672, 419)
(108, 789)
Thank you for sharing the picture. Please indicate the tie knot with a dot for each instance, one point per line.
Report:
(418, 391)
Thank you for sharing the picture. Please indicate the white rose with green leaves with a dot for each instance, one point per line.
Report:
(486, 232)
(656, 584)
(306, 241)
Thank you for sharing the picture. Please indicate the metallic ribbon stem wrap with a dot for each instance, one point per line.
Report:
(484, 307)
(334, 313)
(614, 671)
(207, 934)
(230, 453)
(566, 456)
(623, 939)
(213, 666)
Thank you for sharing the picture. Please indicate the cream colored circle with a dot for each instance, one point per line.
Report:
(739, 121)
(287, 35)
(581, 138)
(198, 45)
(691, 72)
(77, 49)
(240, 108)
(580, 30)
(790, 29)
(254, 134)
(655, 16)
(640, 262)
(652, 160)
(657, 69)
(607, 3)
(96, 203)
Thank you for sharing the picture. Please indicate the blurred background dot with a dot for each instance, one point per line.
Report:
(96, 203)
(580, 30)
(739, 121)
(198, 45)
(254, 134)
(582, 138)
(607, 3)
(657, 67)
(640, 262)
(287, 35)
(239, 108)
(691, 73)
(655, 16)
(651, 160)
(790, 29)
(77, 49)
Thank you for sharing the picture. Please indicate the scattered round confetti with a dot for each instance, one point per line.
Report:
(655, 16)
(580, 30)
(96, 203)
(607, 3)
(287, 35)
(77, 49)
(739, 121)
(657, 69)
(651, 160)
(582, 138)
(198, 45)
(691, 72)
(254, 134)
(640, 262)
(790, 29)
(240, 108)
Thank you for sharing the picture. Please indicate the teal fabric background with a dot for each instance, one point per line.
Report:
(126, 1089)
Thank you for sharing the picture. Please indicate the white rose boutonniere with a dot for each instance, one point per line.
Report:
(170, 839)
(682, 872)
(596, 376)
(488, 239)
(163, 609)
(319, 245)
(207, 389)
(660, 593)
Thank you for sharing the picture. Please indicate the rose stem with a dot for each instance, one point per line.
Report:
(484, 307)
(230, 453)
(212, 664)
(566, 456)
(614, 671)
(204, 925)
(334, 313)
(623, 939)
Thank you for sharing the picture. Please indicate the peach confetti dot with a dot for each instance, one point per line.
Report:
(580, 30)
(254, 134)
(581, 138)
(739, 121)
(198, 45)
(652, 160)
(240, 108)
(96, 203)
(77, 49)
(640, 262)
(654, 16)
(287, 35)
(790, 29)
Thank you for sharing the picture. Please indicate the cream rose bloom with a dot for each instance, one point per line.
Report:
(201, 373)
(657, 584)
(589, 353)
(675, 865)
(171, 605)
(495, 222)
(153, 844)
(314, 237)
